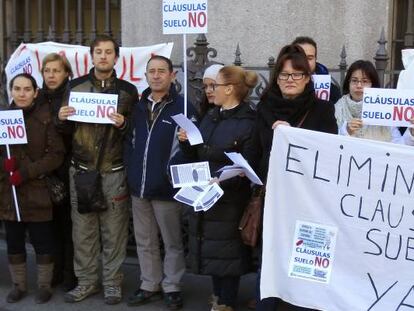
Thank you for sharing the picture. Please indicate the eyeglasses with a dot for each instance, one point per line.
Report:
(215, 85)
(206, 87)
(356, 81)
(284, 76)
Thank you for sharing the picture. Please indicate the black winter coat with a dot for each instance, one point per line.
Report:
(313, 114)
(214, 239)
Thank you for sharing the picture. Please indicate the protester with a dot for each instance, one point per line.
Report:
(311, 50)
(56, 72)
(348, 109)
(289, 100)
(209, 78)
(98, 152)
(215, 244)
(149, 149)
(26, 170)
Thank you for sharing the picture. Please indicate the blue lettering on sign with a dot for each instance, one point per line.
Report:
(98, 101)
(11, 121)
(389, 101)
(84, 113)
(376, 115)
(20, 65)
(175, 23)
(186, 7)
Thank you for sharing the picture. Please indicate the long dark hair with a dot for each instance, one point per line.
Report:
(296, 55)
(367, 69)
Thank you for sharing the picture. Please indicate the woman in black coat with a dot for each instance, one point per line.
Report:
(289, 100)
(215, 245)
(56, 73)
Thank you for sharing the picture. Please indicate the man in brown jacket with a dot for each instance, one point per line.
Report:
(99, 147)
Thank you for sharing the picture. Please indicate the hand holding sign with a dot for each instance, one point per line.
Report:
(117, 118)
(65, 112)
(353, 126)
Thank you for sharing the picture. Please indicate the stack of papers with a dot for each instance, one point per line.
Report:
(240, 166)
(194, 181)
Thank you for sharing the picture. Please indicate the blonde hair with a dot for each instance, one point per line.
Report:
(242, 80)
(52, 57)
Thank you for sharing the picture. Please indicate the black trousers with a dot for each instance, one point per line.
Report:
(226, 289)
(40, 234)
(62, 230)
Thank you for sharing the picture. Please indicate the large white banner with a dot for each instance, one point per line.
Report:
(130, 65)
(339, 223)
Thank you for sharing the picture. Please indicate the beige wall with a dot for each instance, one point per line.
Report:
(262, 27)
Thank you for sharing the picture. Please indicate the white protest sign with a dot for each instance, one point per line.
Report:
(322, 85)
(352, 199)
(388, 107)
(184, 16)
(130, 65)
(93, 107)
(12, 128)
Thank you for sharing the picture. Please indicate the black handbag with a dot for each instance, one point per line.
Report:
(88, 185)
(58, 191)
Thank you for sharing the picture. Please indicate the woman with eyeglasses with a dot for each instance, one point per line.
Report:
(289, 100)
(348, 109)
(215, 246)
(209, 79)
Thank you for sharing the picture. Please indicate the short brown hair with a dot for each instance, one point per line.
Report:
(104, 38)
(242, 80)
(52, 57)
(296, 55)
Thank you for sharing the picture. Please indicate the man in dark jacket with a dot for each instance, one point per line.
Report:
(99, 147)
(150, 147)
(311, 51)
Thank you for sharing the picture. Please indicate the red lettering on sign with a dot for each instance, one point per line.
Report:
(85, 64)
(319, 261)
(131, 71)
(197, 19)
(15, 131)
(403, 113)
(124, 68)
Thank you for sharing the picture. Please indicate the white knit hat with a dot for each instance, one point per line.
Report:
(211, 72)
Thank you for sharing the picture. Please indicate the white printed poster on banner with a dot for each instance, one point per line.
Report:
(184, 16)
(130, 65)
(338, 222)
(313, 249)
(388, 107)
(322, 85)
(190, 174)
(93, 107)
(12, 128)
